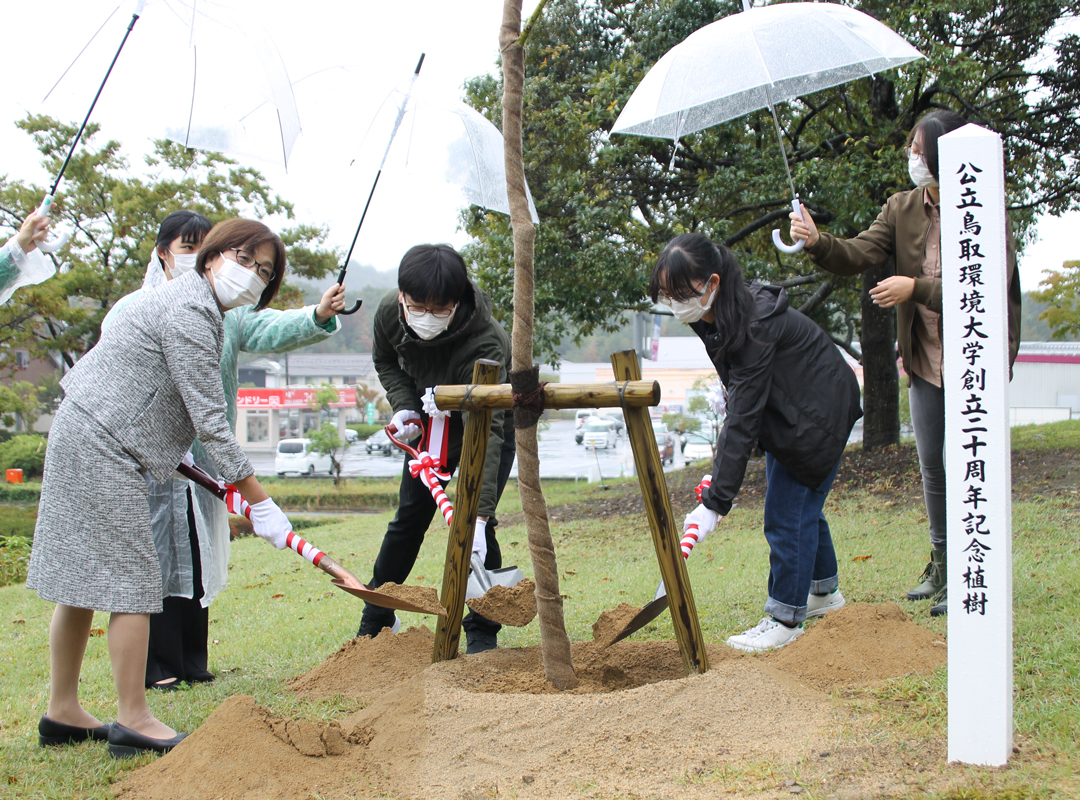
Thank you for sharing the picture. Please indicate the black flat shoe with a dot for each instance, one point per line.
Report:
(51, 732)
(126, 743)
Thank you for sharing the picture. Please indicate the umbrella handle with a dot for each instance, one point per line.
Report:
(62, 235)
(789, 248)
(341, 280)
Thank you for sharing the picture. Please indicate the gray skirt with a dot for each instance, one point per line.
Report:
(93, 547)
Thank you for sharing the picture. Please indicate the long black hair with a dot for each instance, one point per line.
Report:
(691, 259)
(934, 125)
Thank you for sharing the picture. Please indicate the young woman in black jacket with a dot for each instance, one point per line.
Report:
(789, 389)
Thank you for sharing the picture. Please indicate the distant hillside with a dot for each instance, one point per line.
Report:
(1032, 328)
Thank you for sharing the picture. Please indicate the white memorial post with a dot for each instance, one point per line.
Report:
(974, 295)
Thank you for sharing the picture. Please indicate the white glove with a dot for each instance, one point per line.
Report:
(479, 542)
(188, 459)
(717, 399)
(402, 422)
(706, 520)
(270, 523)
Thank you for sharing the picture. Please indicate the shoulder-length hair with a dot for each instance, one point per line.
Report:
(690, 260)
(246, 235)
(934, 125)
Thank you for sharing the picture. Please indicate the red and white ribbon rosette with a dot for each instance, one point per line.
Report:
(429, 457)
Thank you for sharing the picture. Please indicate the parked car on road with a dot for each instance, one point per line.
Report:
(697, 446)
(665, 442)
(351, 436)
(379, 442)
(599, 432)
(296, 455)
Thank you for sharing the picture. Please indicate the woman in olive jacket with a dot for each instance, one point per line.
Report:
(909, 230)
(789, 390)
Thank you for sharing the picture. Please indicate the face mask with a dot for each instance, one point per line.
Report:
(182, 262)
(919, 172)
(236, 286)
(428, 326)
(693, 310)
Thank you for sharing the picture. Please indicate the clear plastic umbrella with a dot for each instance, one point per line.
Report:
(754, 60)
(203, 73)
(416, 131)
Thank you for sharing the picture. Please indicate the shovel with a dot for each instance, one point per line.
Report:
(342, 578)
(481, 579)
(659, 603)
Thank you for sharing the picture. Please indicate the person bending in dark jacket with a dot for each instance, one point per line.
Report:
(430, 332)
(789, 389)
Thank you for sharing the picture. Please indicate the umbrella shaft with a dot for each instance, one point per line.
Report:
(780, 139)
(78, 136)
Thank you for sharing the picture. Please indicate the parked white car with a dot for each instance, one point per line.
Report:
(599, 432)
(698, 446)
(296, 455)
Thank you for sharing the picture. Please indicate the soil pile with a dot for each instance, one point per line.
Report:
(514, 605)
(860, 644)
(491, 725)
(611, 623)
(424, 598)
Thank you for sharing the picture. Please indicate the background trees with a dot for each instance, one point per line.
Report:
(608, 204)
(116, 215)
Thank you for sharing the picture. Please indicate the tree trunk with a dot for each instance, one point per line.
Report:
(554, 643)
(881, 385)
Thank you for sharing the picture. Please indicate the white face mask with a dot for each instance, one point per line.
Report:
(426, 325)
(693, 310)
(236, 286)
(919, 172)
(182, 262)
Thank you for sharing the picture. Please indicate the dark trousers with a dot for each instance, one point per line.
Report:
(178, 635)
(405, 534)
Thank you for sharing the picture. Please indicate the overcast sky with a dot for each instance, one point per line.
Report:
(380, 41)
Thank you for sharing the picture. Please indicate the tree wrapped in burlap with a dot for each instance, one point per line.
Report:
(554, 643)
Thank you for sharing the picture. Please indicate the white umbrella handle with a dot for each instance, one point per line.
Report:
(789, 248)
(62, 236)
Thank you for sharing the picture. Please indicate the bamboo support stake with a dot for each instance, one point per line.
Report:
(662, 525)
(558, 395)
(474, 445)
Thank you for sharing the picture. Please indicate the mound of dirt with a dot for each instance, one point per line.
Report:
(611, 623)
(860, 644)
(425, 598)
(491, 725)
(514, 605)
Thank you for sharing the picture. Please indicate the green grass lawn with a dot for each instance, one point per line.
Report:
(280, 617)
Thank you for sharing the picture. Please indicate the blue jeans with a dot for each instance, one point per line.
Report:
(801, 556)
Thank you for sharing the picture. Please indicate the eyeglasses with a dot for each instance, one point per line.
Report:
(910, 151)
(438, 313)
(265, 272)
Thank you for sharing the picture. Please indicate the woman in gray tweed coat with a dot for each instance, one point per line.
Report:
(133, 405)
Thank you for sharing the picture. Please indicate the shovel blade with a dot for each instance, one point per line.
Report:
(378, 598)
(504, 576)
(643, 617)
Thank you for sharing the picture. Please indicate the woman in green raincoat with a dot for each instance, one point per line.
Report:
(191, 526)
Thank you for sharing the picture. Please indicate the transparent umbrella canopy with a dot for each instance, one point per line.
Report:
(202, 73)
(755, 60)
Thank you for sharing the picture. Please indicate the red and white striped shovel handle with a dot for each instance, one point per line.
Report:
(238, 505)
(422, 465)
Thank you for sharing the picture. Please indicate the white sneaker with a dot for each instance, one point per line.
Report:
(818, 605)
(397, 624)
(766, 635)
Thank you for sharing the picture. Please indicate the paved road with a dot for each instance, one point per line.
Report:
(560, 457)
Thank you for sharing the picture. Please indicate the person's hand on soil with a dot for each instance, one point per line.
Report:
(270, 523)
(704, 518)
(891, 291)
